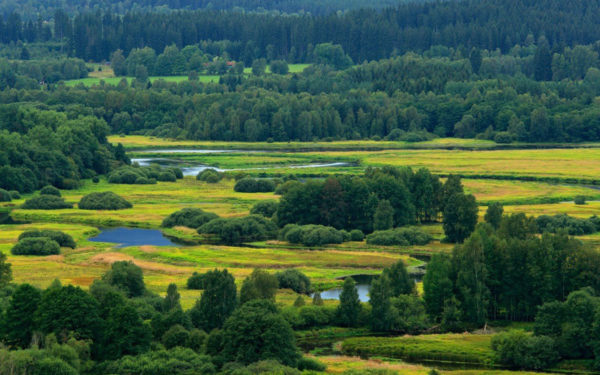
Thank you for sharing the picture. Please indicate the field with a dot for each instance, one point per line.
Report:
(513, 177)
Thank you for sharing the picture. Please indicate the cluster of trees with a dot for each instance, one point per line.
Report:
(32, 75)
(41, 147)
(380, 200)
(148, 175)
(573, 226)
(407, 236)
(506, 272)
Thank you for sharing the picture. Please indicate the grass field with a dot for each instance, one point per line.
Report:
(95, 80)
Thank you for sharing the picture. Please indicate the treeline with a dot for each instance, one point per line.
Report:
(364, 34)
(41, 147)
(46, 8)
(32, 74)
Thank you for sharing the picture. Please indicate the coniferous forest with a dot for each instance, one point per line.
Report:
(299, 187)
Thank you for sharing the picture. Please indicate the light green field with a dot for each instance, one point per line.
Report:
(92, 81)
(293, 68)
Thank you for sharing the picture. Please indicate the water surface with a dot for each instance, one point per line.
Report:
(125, 237)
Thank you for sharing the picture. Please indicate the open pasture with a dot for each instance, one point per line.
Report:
(96, 79)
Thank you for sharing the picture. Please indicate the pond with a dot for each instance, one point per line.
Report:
(362, 289)
(125, 237)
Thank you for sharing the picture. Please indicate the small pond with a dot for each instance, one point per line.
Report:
(125, 237)
(362, 289)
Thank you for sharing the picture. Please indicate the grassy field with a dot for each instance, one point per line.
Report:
(91, 81)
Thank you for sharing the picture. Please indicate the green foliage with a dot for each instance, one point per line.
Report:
(257, 331)
(63, 239)
(313, 235)
(209, 175)
(295, 280)
(217, 302)
(310, 364)
(124, 333)
(126, 276)
(407, 236)
(437, 285)
(349, 308)
(163, 362)
(317, 300)
(5, 196)
(259, 285)
(141, 175)
(279, 67)
(106, 200)
(460, 217)
(50, 190)
(401, 282)
(18, 321)
(519, 350)
(265, 208)
(69, 309)
(254, 185)
(175, 336)
(188, 217)
(356, 235)
(238, 230)
(493, 214)
(46, 202)
(580, 199)
(13, 194)
(380, 295)
(172, 299)
(196, 281)
(384, 216)
(36, 246)
(5, 271)
(573, 226)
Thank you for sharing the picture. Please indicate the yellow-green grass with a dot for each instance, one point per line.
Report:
(542, 163)
(96, 80)
(569, 208)
(142, 142)
(337, 364)
(457, 348)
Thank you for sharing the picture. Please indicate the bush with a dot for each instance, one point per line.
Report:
(175, 336)
(63, 239)
(167, 176)
(294, 280)
(5, 196)
(237, 230)
(313, 235)
(357, 235)
(36, 246)
(286, 186)
(95, 179)
(103, 201)
(399, 237)
(196, 281)
(14, 194)
(46, 202)
(503, 137)
(519, 350)
(188, 217)
(143, 175)
(265, 208)
(310, 364)
(50, 190)
(209, 175)
(580, 199)
(252, 185)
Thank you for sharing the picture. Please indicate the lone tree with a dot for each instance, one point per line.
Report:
(128, 277)
(460, 217)
(349, 308)
(217, 302)
(493, 215)
(259, 285)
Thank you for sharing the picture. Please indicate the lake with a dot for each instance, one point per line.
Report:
(125, 237)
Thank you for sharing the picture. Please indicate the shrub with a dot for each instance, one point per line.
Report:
(237, 230)
(252, 185)
(286, 186)
(143, 175)
(196, 281)
(50, 190)
(310, 364)
(357, 235)
(177, 172)
(580, 199)
(36, 246)
(314, 235)
(265, 208)
(95, 179)
(175, 336)
(188, 217)
(209, 175)
(519, 350)
(399, 237)
(63, 239)
(294, 280)
(167, 176)
(14, 194)
(103, 201)
(5, 196)
(503, 137)
(46, 202)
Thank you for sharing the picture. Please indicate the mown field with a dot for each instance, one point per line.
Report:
(166, 264)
